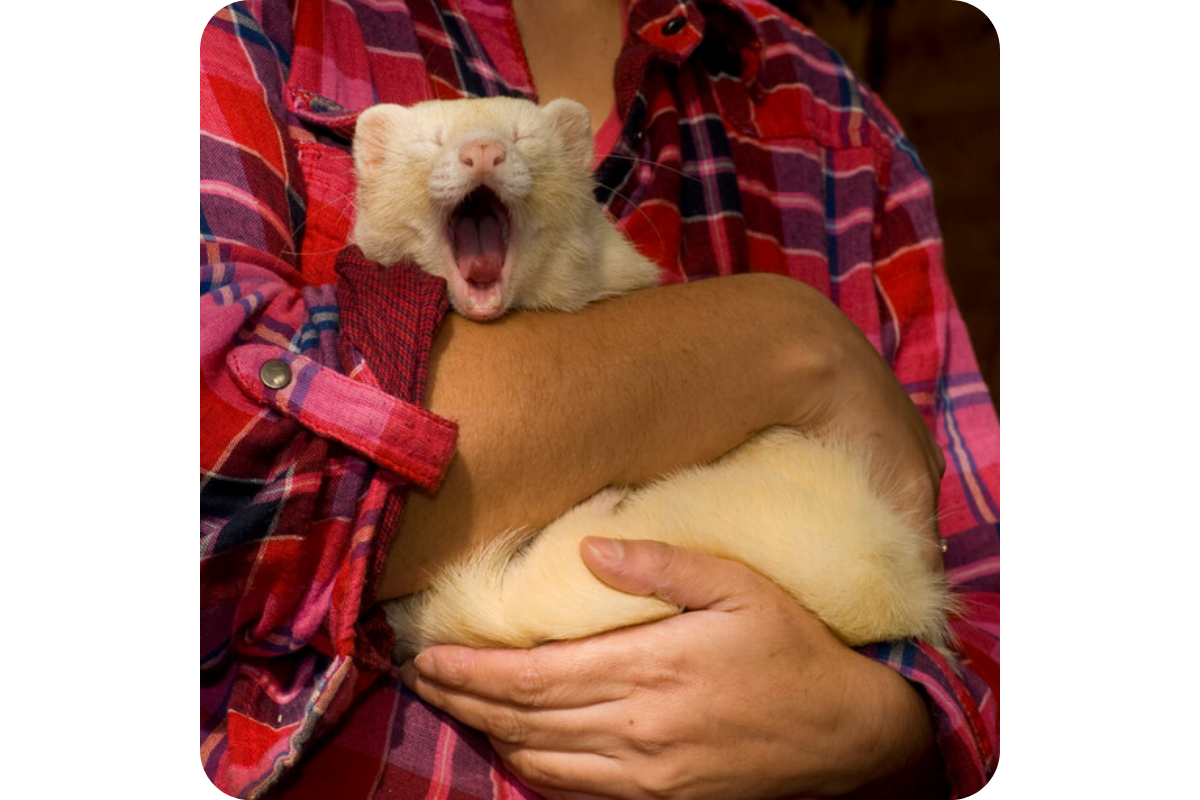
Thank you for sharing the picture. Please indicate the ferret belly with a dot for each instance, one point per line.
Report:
(801, 512)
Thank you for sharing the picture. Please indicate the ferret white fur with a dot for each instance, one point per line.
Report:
(806, 513)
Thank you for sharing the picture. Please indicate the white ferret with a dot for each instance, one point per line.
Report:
(496, 196)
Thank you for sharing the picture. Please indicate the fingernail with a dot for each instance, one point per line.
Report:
(408, 673)
(606, 549)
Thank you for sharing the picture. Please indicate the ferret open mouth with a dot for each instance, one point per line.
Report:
(478, 234)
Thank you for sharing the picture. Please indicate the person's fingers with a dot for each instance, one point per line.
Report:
(556, 675)
(686, 578)
(563, 775)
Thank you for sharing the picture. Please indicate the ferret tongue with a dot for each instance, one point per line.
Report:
(480, 248)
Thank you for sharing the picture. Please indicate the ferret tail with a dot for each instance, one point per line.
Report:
(461, 604)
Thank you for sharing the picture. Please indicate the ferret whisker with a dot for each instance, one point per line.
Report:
(311, 253)
(637, 210)
(331, 207)
(656, 164)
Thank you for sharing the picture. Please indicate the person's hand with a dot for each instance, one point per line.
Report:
(745, 695)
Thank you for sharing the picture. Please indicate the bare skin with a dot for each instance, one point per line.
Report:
(550, 33)
(596, 382)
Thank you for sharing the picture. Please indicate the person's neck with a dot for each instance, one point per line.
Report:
(571, 47)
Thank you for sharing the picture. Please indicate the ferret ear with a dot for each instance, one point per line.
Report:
(374, 129)
(574, 125)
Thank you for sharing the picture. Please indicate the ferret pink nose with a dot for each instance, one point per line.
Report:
(482, 155)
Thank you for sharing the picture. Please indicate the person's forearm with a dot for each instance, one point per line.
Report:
(553, 407)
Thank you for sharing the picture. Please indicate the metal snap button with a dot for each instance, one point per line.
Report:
(275, 374)
(674, 25)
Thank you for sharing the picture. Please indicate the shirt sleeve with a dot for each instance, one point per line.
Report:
(304, 455)
(926, 343)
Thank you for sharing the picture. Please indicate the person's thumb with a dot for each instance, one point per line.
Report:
(686, 578)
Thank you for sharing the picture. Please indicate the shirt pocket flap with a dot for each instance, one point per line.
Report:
(401, 437)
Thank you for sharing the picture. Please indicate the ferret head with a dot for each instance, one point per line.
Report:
(480, 192)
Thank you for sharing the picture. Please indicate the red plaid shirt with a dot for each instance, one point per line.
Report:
(746, 144)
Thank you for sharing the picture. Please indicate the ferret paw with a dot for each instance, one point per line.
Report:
(604, 501)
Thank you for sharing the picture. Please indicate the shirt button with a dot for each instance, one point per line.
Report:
(275, 374)
(674, 25)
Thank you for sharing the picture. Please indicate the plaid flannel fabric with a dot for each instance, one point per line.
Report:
(746, 144)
